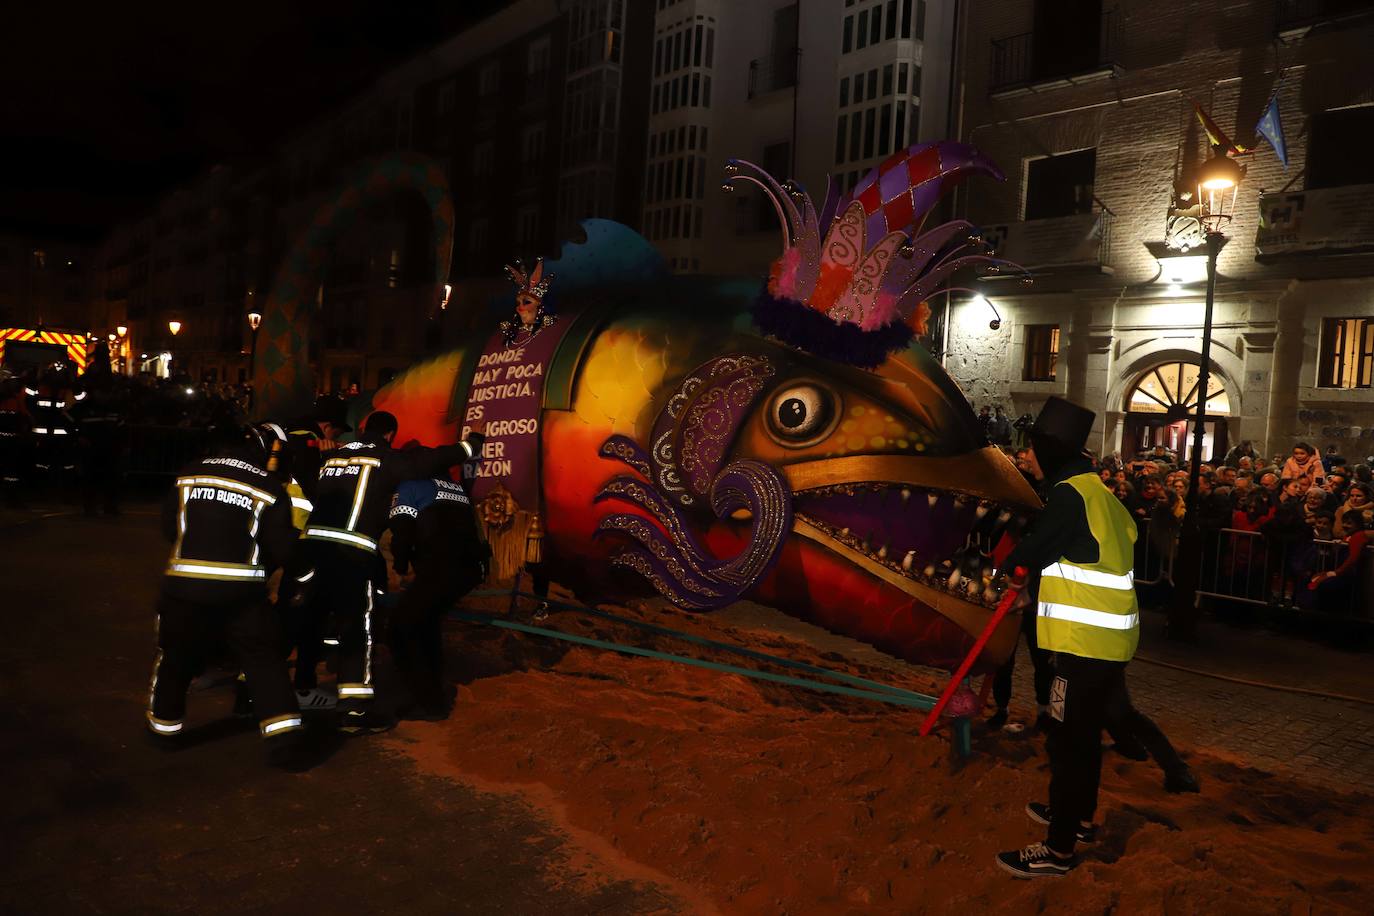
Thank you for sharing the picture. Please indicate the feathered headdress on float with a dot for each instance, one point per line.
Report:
(858, 294)
(531, 286)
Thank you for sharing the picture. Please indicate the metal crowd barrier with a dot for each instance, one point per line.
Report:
(1246, 567)
(1153, 565)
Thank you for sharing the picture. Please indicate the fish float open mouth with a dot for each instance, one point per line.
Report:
(935, 543)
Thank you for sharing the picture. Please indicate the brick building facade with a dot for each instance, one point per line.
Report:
(1088, 108)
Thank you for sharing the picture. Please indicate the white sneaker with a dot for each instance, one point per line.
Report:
(315, 698)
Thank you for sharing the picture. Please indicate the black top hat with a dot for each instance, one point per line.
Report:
(1065, 422)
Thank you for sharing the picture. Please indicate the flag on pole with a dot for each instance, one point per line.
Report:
(1271, 128)
(1215, 135)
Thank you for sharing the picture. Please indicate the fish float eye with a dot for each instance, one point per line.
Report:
(802, 413)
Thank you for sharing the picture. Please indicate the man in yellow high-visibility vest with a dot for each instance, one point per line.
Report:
(1083, 547)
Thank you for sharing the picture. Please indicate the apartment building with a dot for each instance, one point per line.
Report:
(539, 115)
(1089, 108)
(806, 90)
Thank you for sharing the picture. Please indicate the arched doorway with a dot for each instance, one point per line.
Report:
(1160, 407)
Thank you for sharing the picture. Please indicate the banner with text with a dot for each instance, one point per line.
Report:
(1327, 219)
(505, 396)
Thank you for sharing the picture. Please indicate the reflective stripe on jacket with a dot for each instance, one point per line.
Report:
(1089, 609)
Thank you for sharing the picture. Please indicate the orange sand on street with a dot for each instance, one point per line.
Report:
(752, 798)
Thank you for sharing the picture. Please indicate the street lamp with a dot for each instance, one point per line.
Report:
(121, 332)
(1217, 180)
(174, 326)
(254, 322)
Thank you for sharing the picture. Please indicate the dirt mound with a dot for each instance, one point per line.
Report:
(765, 798)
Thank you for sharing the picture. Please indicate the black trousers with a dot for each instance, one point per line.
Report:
(1041, 660)
(340, 600)
(1129, 727)
(190, 634)
(417, 643)
(1079, 698)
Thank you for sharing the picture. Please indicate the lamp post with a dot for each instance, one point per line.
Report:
(123, 331)
(174, 326)
(1218, 175)
(254, 322)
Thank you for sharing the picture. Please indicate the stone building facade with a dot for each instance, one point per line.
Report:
(1088, 108)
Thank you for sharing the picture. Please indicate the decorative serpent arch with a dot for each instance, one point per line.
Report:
(282, 379)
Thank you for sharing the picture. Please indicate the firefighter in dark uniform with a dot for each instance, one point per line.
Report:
(102, 436)
(52, 424)
(15, 435)
(351, 504)
(1083, 544)
(312, 436)
(434, 532)
(230, 524)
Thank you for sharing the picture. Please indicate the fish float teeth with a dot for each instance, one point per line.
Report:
(973, 588)
(909, 560)
(929, 571)
(1003, 517)
(954, 579)
(982, 511)
(844, 532)
(882, 552)
(931, 500)
(906, 495)
(989, 595)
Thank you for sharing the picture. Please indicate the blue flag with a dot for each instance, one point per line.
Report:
(1271, 129)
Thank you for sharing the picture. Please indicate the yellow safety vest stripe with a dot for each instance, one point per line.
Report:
(1090, 609)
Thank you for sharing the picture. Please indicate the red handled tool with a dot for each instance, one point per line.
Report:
(1018, 582)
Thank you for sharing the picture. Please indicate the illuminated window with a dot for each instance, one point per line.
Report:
(1173, 389)
(1346, 353)
(1042, 353)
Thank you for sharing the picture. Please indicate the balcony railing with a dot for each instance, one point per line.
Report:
(768, 74)
(1016, 65)
(1300, 15)
(1077, 241)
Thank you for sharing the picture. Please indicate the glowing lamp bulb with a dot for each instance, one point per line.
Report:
(174, 327)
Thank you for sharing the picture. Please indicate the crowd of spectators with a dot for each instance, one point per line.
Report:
(1291, 528)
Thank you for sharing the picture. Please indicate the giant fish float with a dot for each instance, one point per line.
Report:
(708, 441)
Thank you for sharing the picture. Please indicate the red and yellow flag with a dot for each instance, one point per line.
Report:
(1215, 135)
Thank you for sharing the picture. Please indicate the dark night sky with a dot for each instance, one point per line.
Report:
(106, 104)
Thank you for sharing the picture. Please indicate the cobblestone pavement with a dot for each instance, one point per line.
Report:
(1323, 741)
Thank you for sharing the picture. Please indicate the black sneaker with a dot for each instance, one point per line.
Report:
(364, 722)
(997, 720)
(1035, 861)
(1040, 813)
(1182, 780)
